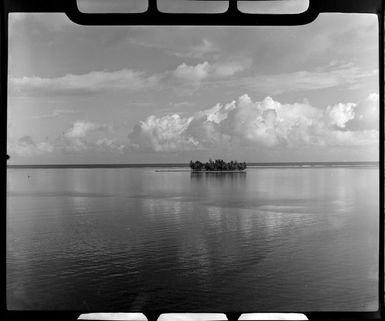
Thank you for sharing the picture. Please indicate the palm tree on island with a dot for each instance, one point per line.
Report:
(219, 165)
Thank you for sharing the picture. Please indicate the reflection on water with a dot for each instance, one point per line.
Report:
(271, 239)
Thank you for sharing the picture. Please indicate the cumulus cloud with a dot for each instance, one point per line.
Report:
(108, 144)
(26, 146)
(91, 82)
(351, 138)
(80, 129)
(242, 122)
(340, 114)
(193, 73)
(204, 70)
(81, 136)
(76, 138)
(366, 114)
(162, 134)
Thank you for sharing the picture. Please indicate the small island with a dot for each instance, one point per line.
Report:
(218, 165)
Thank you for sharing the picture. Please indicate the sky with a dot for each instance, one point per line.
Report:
(130, 94)
(210, 6)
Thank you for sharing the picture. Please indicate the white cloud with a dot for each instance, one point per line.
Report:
(367, 114)
(347, 76)
(204, 70)
(108, 144)
(267, 123)
(231, 67)
(56, 113)
(77, 137)
(162, 134)
(219, 113)
(206, 49)
(193, 73)
(81, 136)
(91, 82)
(80, 129)
(351, 138)
(123, 80)
(340, 114)
(25, 146)
(222, 73)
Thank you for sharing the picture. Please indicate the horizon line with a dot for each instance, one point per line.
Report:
(101, 165)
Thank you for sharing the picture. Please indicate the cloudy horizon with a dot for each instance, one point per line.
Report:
(81, 94)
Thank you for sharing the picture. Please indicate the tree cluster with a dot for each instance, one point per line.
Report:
(218, 165)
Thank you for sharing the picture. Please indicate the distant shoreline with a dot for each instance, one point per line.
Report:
(185, 165)
(218, 172)
(197, 172)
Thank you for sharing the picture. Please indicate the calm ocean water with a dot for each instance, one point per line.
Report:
(133, 239)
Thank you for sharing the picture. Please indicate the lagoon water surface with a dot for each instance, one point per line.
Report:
(132, 239)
